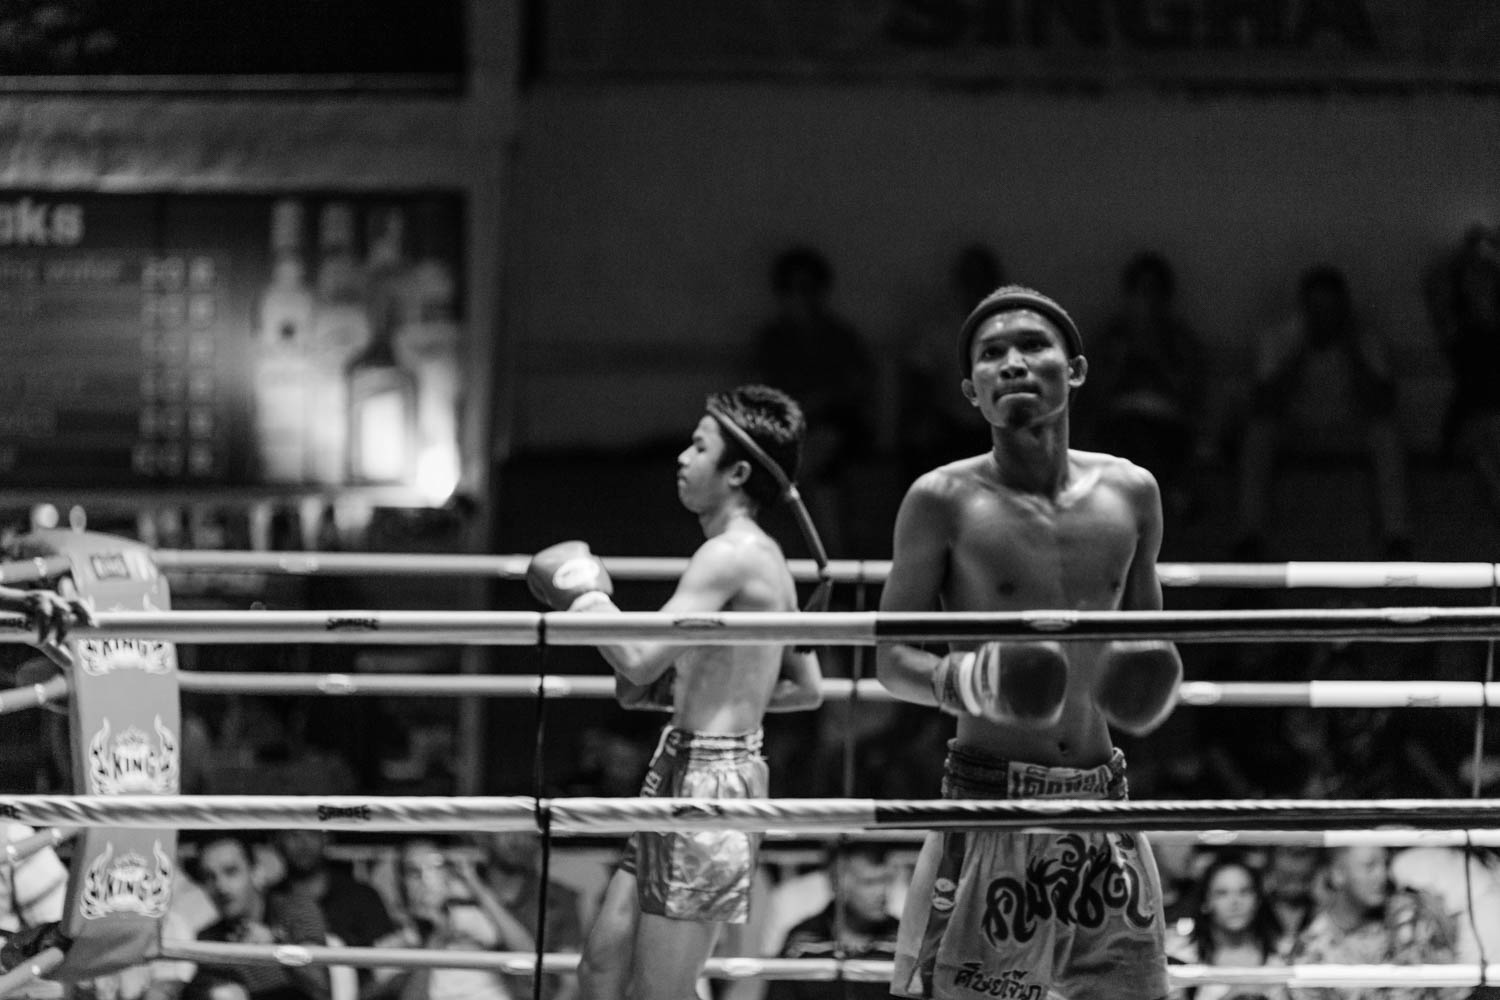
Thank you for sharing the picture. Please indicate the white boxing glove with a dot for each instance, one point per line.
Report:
(1024, 683)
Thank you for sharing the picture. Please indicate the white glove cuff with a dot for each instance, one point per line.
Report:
(593, 600)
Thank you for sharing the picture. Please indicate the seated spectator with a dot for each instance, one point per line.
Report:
(222, 982)
(1323, 383)
(1291, 872)
(1234, 927)
(1463, 301)
(1467, 886)
(352, 911)
(449, 908)
(857, 924)
(31, 892)
(1149, 379)
(247, 915)
(1364, 922)
(512, 871)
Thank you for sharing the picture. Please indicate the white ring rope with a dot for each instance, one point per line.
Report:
(1315, 694)
(1433, 575)
(592, 815)
(520, 628)
(805, 969)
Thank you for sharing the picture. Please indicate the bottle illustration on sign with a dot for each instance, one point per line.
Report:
(382, 411)
(281, 378)
(340, 330)
(426, 344)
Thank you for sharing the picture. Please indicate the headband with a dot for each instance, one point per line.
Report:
(1008, 299)
(824, 590)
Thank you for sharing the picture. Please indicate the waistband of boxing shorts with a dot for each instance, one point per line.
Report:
(969, 773)
(696, 746)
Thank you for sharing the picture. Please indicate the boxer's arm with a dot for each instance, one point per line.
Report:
(711, 581)
(918, 565)
(799, 687)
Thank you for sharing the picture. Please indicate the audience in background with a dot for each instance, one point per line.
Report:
(856, 924)
(1463, 302)
(1364, 921)
(935, 424)
(820, 360)
(1147, 380)
(1323, 386)
(512, 871)
(247, 915)
(1234, 926)
(1290, 878)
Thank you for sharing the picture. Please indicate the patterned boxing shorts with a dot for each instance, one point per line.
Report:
(996, 913)
(699, 874)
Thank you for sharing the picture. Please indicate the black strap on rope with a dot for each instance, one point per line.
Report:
(823, 593)
(543, 810)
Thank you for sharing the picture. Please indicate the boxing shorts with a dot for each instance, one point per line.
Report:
(699, 874)
(1000, 913)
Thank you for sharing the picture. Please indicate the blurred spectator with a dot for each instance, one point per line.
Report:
(512, 870)
(31, 892)
(1364, 922)
(1467, 886)
(354, 913)
(248, 916)
(936, 424)
(821, 361)
(857, 924)
(1234, 927)
(1463, 301)
(1291, 873)
(222, 982)
(1323, 385)
(1149, 379)
(449, 908)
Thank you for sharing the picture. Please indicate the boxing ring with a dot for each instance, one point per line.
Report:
(1461, 823)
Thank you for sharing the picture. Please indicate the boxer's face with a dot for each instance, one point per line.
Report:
(701, 483)
(1020, 368)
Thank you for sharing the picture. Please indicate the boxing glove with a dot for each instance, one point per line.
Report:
(561, 576)
(1136, 684)
(1019, 682)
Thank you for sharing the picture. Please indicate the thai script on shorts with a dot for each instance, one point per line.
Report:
(1040, 781)
(1008, 985)
(1079, 883)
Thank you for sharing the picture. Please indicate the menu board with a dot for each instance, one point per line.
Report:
(209, 340)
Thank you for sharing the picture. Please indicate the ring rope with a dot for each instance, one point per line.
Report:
(33, 695)
(1314, 694)
(1276, 576)
(521, 628)
(594, 815)
(803, 969)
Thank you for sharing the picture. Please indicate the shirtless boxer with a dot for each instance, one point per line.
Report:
(664, 905)
(1031, 524)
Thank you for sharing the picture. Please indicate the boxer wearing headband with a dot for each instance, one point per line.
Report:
(666, 902)
(1031, 523)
